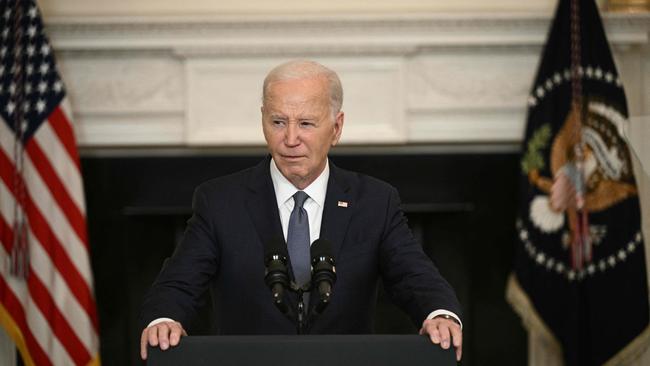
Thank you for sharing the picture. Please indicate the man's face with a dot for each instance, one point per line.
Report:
(299, 128)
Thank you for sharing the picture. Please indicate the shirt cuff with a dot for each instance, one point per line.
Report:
(160, 320)
(445, 312)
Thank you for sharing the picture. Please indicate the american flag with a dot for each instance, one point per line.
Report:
(46, 288)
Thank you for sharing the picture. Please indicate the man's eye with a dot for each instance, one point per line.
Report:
(307, 124)
(278, 122)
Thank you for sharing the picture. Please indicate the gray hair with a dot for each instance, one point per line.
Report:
(305, 69)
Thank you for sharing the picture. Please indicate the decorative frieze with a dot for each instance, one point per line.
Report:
(436, 78)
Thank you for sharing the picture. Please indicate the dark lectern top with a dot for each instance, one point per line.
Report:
(304, 350)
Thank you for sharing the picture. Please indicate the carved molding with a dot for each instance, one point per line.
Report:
(134, 84)
(409, 78)
(330, 34)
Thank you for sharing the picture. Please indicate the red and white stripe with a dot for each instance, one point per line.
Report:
(54, 309)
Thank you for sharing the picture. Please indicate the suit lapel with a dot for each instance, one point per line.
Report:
(338, 209)
(262, 205)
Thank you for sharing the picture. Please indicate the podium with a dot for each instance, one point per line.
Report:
(304, 350)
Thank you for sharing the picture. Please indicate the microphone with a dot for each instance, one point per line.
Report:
(323, 272)
(277, 276)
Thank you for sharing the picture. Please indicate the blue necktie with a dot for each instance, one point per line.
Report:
(298, 240)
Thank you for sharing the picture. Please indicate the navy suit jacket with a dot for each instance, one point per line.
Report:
(223, 250)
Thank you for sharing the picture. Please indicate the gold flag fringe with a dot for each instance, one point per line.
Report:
(522, 305)
(14, 332)
(632, 351)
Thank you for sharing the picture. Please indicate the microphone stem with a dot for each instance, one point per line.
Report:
(301, 312)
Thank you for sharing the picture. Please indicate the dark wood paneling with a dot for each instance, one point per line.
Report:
(461, 207)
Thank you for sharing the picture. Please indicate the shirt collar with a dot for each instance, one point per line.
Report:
(284, 190)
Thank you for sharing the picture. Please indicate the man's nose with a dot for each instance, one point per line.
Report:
(292, 137)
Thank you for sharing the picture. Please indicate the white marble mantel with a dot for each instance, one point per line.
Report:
(408, 78)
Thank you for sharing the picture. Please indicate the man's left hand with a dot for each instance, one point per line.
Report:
(444, 332)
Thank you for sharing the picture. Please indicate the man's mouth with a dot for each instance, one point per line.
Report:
(292, 157)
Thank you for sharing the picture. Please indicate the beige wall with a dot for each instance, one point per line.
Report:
(220, 7)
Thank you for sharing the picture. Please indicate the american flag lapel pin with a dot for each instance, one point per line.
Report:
(343, 204)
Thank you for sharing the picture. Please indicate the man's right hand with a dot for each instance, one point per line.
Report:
(165, 334)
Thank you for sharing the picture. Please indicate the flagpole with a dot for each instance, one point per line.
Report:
(19, 260)
(581, 250)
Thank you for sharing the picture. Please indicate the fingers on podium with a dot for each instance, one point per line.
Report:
(164, 334)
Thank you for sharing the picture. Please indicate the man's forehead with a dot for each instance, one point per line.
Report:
(315, 84)
(302, 114)
(296, 97)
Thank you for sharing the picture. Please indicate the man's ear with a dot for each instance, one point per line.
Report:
(338, 127)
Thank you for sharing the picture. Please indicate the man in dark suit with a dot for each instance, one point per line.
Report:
(297, 194)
